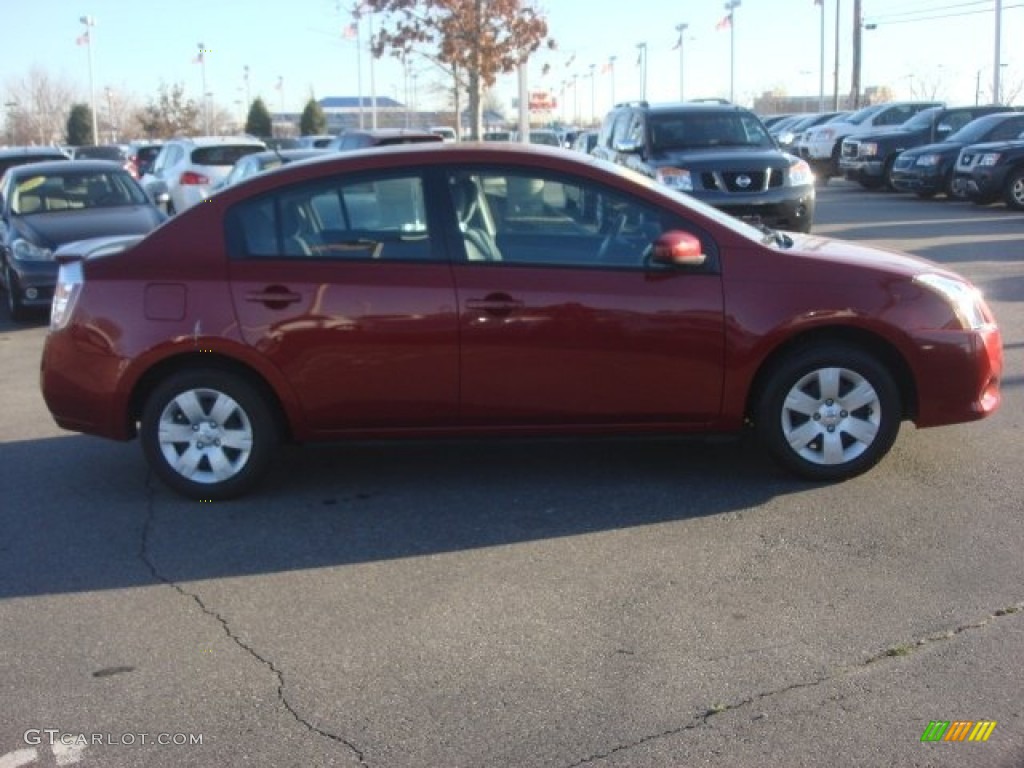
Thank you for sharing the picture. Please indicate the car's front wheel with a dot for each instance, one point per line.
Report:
(829, 412)
(1014, 191)
(15, 307)
(208, 434)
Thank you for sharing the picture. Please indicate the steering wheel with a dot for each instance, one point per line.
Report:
(614, 231)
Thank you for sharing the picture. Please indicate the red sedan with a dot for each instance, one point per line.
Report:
(503, 290)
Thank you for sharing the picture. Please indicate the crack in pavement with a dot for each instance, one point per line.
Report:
(144, 556)
(702, 719)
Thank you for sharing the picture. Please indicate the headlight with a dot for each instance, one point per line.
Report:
(825, 134)
(928, 161)
(868, 149)
(65, 294)
(787, 137)
(800, 173)
(963, 298)
(23, 250)
(989, 159)
(676, 178)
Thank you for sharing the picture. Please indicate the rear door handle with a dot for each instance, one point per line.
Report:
(499, 304)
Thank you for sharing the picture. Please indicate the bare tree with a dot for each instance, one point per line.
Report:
(37, 108)
(480, 38)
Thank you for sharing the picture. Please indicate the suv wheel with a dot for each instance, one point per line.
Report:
(208, 434)
(1013, 194)
(17, 310)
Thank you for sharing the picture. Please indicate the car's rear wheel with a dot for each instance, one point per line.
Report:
(1013, 192)
(208, 434)
(829, 412)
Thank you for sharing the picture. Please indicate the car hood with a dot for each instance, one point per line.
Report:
(53, 229)
(827, 252)
(939, 148)
(997, 146)
(731, 158)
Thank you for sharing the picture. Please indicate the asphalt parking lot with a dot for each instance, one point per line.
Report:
(567, 603)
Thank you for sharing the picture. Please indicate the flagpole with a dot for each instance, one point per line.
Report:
(731, 7)
(681, 29)
(642, 62)
(205, 105)
(611, 77)
(821, 61)
(90, 23)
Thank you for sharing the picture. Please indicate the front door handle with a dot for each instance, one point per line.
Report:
(497, 304)
(274, 296)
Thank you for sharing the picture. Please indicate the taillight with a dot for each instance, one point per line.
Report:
(191, 177)
(131, 167)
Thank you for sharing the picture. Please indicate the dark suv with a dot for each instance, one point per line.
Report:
(990, 170)
(869, 158)
(721, 154)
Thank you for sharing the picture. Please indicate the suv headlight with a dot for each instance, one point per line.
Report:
(23, 250)
(675, 178)
(800, 173)
(868, 149)
(963, 298)
(989, 159)
(928, 161)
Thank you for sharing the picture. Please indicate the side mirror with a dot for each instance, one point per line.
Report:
(680, 249)
(944, 128)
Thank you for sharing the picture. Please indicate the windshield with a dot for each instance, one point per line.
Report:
(921, 120)
(976, 130)
(44, 193)
(707, 129)
(860, 116)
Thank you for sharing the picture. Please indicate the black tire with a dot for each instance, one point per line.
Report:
(926, 194)
(829, 435)
(17, 310)
(1013, 192)
(217, 460)
(887, 174)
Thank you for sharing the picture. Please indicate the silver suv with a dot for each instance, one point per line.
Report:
(187, 170)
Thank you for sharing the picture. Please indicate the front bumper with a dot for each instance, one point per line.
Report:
(917, 179)
(35, 281)
(985, 183)
(958, 375)
(790, 209)
(856, 169)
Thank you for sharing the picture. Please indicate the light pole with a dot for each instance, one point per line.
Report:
(593, 110)
(821, 60)
(611, 77)
(201, 58)
(996, 96)
(731, 7)
(245, 76)
(641, 61)
(681, 29)
(90, 23)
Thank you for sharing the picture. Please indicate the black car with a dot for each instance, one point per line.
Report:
(48, 204)
(869, 158)
(380, 137)
(993, 170)
(929, 170)
(719, 153)
(14, 156)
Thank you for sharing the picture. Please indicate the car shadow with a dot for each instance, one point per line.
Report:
(86, 514)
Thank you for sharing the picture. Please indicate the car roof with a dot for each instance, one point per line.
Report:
(211, 141)
(23, 151)
(702, 107)
(61, 166)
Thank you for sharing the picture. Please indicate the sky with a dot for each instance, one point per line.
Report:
(300, 47)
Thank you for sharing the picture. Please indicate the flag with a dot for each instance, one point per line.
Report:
(198, 59)
(82, 39)
(679, 43)
(570, 61)
(606, 68)
(725, 23)
(280, 84)
(349, 32)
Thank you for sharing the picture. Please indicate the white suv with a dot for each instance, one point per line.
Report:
(821, 145)
(186, 170)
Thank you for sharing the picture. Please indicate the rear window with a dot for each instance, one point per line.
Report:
(223, 154)
(11, 162)
(100, 153)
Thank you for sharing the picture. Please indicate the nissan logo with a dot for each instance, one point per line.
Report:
(743, 181)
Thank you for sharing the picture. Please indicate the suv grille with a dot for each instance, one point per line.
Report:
(966, 160)
(741, 181)
(851, 148)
